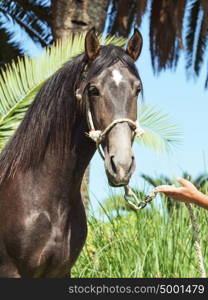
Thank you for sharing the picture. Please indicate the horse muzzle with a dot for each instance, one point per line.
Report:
(119, 158)
(118, 171)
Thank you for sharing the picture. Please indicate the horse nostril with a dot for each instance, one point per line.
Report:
(113, 166)
(132, 162)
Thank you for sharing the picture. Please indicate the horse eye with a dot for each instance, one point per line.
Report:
(138, 91)
(93, 91)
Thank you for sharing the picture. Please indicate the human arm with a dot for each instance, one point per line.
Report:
(186, 193)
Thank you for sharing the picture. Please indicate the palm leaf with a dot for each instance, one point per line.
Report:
(36, 28)
(141, 9)
(164, 44)
(191, 32)
(180, 16)
(7, 51)
(21, 81)
(41, 8)
(201, 46)
(156, 181)
(161, 133)
(206, 80)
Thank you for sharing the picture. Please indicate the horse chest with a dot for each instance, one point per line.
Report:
(48, 247)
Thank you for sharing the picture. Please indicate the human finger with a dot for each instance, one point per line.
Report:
(166, 188)
(184, 182)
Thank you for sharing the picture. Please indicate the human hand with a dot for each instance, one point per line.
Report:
(186, 193)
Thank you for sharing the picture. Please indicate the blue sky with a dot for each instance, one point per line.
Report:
(186, 102)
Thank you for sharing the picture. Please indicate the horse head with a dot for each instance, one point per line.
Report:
(109, 89)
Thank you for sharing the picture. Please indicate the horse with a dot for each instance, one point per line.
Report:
(43, 224)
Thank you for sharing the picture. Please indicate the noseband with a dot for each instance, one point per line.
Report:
(99, 135)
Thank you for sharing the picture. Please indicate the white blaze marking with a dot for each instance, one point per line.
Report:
(117, 77)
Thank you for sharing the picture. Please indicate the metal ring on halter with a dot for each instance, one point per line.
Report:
(139, 203)
(130, 194)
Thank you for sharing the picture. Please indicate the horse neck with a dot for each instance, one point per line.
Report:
(76, 158)
(81, 153)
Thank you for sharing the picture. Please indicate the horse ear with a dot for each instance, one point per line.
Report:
(92, 45)
(134, 45)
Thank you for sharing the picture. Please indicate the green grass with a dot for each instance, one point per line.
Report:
(143, 244)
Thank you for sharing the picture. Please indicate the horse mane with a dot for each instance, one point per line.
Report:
(52, 115)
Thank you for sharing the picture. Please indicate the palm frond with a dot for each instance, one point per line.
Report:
(180, 16)
(41, 8)
(119, 17)
(202, 44)
(201, 181)
(161, 133)
(21, 81)
(164, 42)
(206, 80)
(156, 181)
(7, 51)
(193, 19)
(36, 28)
(125, 15)
(141, 6)
(173, 26)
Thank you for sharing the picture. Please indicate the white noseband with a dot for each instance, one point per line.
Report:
(98, 135)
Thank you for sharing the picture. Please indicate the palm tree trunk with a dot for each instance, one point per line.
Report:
(69, 16)
(77, 16)
(85, 188)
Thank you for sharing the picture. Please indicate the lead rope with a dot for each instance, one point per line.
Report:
(196, 241)
(97, 136)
